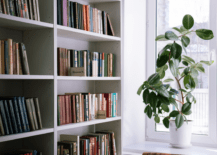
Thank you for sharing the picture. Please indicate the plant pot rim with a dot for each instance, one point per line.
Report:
(184, 120)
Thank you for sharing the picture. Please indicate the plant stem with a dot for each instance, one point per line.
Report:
(179, 101)
(180, 88)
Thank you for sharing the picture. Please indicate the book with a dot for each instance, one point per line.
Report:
(59, 12)
(110, 28)
(4, 118)
(1, 127)
(17, 9)
(30, 9)
(38, 113)
(30, 114)
(68, 14)
(21, 113)
(24, 61)
(34, 7)
(2, 57)
(34, 113)
(64, 14)
(38, 13)
(7, 114)
(23, 9)
(7, 58)
(25, 114)
(26, 9)
(72, 14)
(17, 114)
(7, 7)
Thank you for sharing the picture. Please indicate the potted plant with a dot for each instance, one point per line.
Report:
(158, 96)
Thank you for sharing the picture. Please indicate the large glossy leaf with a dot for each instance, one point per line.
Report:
(165, 50)
(170, 35)
(165, 107)
(187, 59)
(166, 122)
(163, 99)
(186, 107)
(205, 34)
(187, 71)
(161, 38)
(174, 113)
(162, 60)
(153, 99)
(146, 109)
(179, 120)
(149, 112)
(162, 70)
(177, 29)
(173, 91)
(140, 89)
(145, 96)
(173, 69)
(154, 79)
(157, 119)
(173, 102)
(168, 80)
(189, 82)
(185, 63)
(209, 63)
(188, 112)
(199, 67)
(188, 21)
(176, 50)
(185, 40)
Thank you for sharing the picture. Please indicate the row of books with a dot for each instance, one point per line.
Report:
(18, 115)
(98, 143)
(28, 9)
(13, 58)
(24, 152)
(95, 64)
(80, 107)
(84, 17)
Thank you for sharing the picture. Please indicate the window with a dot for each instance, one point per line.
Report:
(168, 14)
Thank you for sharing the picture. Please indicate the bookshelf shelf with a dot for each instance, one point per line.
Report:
(82, 124)
(88, 78)
(19, 23)
(72, 33)
(26, 134)
(102, 1)
(26, 77)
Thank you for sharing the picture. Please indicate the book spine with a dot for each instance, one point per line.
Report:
(14, 59)
(113, 144)
(17, 116)
(4, 119)
(88, 63)
(114, 105)
(10, 51)
(34, 113)
(3, 56)
(20, 8)
(8, 117)
(30, 9)
(38, 12)
(26, 10)
(7, 7)
(11, 7)
(1, 8)
(87, 108)
(81, 59)
(103, 22)
(38, 112)
(63, 103)
(21, 113)
(113, 65)
(23, 8)
(58, 111)
(0, 57)
(67, 109)
(34, 10)
(84, 17)
(68, 14)
(59, 12)
(70, 109)
(4, 6)
(110, 65)
(110, 29)
(75, 58)
(64, 8)
(75, 8)
(73, 109)
(19, 60)
(93, 19)
(68, 63)
(85, 62)
(100, 65)
(7, 60)
(24, 61)
(72, 14)
(110, 105)
(81, 104)
(97, 62)
(88, 17)
(103, 64)
(77, 109)
(1, 127)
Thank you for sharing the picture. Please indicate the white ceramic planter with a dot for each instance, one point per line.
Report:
(181, 137)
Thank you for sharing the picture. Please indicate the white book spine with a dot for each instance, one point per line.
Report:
(93, 107)
(96, 106)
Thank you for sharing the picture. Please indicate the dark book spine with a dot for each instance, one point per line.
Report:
(79, 16)
(38, 113)
(58, 111)
(7, 6)
(86, 108)
(24, 60)
(20, 8)
(20, 107)
(7, 61)
(30, 9)
(30, 116)
(34, 10)
(17, 115)
(75, 9)
(25, 113)
(59, 12)
(13, 118)
(104, 22)
(88, 63)
(8, 117)
(4, 119)
(11, 5)
(17, 10)
(1, 127)
(72, 14)
(23, 9)
(100, 65)
(81, 59)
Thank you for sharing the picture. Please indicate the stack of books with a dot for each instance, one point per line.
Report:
(18, 115)
(13, 58)
(24, 152)
(84, 17)
(95, 64)
(28, 9)
(80, 107)
(98, 143)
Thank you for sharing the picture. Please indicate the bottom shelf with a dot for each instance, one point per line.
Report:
(26, 134)
(87, 123)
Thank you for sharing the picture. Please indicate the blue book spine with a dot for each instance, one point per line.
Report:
(100, 65)
(7, 61)
(8, 117)
(21, 113)
(4, 119)
(25, 114)
(87, 107)
(75, 57)
(17, 115)
(81, 59)
(13, 118)
(91, 59)
(88, 63)
(91, 18)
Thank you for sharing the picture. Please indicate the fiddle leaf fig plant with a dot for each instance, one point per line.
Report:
(156, 91)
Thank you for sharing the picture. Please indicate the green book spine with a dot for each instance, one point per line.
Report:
(113, 65)
(79, 59)
(58, 111)
(105, 65)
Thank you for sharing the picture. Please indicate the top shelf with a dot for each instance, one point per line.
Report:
(68, 32)
(102, 1)
(19, 23)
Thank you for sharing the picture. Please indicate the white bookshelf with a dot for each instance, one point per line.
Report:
(41, 40)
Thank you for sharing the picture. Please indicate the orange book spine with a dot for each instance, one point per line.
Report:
(84, 17)
(88, 17)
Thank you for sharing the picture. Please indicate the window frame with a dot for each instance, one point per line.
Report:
(151, 134)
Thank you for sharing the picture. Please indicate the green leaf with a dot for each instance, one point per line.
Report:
(170, 35)
(173, 69)
(194, 73)
(176, 50)
(157, 119)
(177, 29)
(187, 59)
(179, 120)
(163, 99)
(188, 22)
(205, 34)
(184, 31)
(185, 63)
(185, 40)
(209, 63)
(139, 91)
(145, 96)
(189, 82)
(174, 113)
(183, 90)
(173, 102)
(166, 122)
(199, 67)
(183, 46)
(168, 80)
(154, 79)
(173, 91)
(181, 67)
(165, 107)
(185, 119)
(186, 107)
(161, 38)
(188, 112)
(162, 91)
(165, 51)
(162, 60)
(149, 112)
(186, 71)
(162, 70)
(146, 109)
(153, 99)
(166, 86)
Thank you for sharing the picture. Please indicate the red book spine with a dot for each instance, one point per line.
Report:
(74, 109)
(70, 109)
(88, 17)
(84, 147)
(63, 110)
(67, 109)
(84, 17)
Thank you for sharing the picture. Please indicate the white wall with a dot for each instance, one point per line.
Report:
(134, 70)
